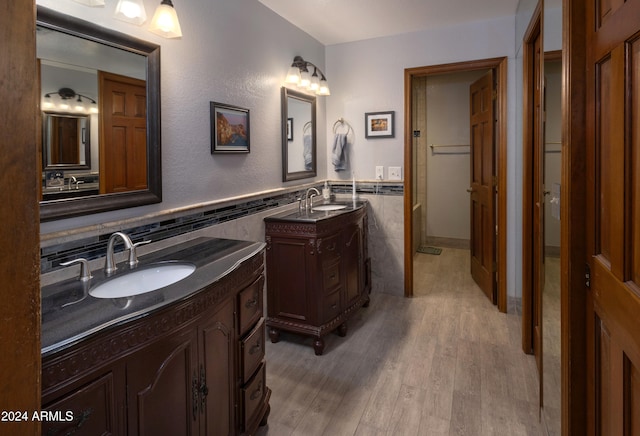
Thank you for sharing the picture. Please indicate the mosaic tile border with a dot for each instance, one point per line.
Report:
(94, 247)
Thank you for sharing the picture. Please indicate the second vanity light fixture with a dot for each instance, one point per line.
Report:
(164, 22)
(299, 75)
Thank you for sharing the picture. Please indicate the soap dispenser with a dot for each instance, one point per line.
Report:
(326, 191)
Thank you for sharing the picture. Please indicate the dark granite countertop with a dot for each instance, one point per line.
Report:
(314, 215)
(70, 314)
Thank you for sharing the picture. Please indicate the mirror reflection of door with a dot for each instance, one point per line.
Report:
(65, 140)
(123, 124)
(552, 164)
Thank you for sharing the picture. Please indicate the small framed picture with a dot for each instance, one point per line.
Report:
(379, 124)
(290, 129)
(229, 129)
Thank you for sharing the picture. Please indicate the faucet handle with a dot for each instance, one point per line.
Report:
(85, 272)
(133, 255)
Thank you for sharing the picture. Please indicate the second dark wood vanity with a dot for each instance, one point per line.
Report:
(318, 271)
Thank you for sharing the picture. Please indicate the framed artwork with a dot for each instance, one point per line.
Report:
(290, 129)
(379, 124)
(229, 128)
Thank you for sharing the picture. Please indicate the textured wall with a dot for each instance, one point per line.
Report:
(235, 52)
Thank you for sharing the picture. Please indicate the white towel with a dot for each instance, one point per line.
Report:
(339, 153)
(307, 152)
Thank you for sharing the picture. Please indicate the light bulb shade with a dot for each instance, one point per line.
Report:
(93, 3)
(323, 89)
(315, 82)
(305, 79)
(131, 11)
(165, 21)
(293, 75)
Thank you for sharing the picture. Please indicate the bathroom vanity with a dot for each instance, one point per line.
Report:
(186, 359)
(318, 269)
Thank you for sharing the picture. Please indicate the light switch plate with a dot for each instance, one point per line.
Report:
(395, 173)
(379, 172)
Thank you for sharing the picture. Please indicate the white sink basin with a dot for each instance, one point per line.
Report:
(143, 279)
(326, 207)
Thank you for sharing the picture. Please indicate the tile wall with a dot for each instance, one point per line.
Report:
(238, 219)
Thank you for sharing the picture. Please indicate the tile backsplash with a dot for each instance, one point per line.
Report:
(93, 246)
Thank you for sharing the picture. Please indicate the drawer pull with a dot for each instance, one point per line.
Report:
(257, 393)
(251, 303)
(331, 246)
(256, 348)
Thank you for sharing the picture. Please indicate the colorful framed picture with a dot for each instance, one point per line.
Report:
(379, 124)
(229, 129)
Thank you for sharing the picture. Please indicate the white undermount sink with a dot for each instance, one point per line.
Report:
(143, 279)
(328, 207)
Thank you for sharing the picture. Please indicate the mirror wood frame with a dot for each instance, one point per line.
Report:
(286, 175)
(66, 208)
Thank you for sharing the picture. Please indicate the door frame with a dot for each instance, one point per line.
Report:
(499, 65)
(573, 228)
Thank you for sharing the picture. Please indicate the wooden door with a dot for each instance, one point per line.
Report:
(613, 215)
(483, 182)
(123, 126)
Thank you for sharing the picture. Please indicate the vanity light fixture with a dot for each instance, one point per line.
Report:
(92, 3)
(67, 103)
(131, 11)
(165, 21)
(298, 74)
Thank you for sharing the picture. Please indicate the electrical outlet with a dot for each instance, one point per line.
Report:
(395, 173)
(379, 172)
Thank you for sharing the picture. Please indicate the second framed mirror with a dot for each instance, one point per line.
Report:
(298, 135)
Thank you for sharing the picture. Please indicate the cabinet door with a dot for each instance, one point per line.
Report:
(92, 407)
(354, 265)
(216, 369)
(160, 391)
(292, 275)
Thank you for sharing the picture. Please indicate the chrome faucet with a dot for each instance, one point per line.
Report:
(110, 264)
(72, 179)
(307, 198)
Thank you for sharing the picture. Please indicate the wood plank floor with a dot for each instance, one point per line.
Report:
(445, 362)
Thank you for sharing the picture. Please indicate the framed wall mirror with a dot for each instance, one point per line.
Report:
(298, 135)
(100, 101)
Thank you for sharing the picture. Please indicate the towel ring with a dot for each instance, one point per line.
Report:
(306, 127)
(341, 122)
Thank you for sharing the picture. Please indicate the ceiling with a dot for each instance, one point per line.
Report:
(339, 21)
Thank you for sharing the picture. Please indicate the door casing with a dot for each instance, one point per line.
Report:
(499, 65)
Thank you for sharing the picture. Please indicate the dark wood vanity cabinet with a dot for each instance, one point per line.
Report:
(194, 368)
(318, 274)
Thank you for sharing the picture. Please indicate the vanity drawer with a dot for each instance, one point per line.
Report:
(250, 305)
(252, 395)
(330, 247)
(331, 275)
(252, 349)
(331, 306)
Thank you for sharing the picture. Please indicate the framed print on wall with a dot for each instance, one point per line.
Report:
(229, 128)
(379, 124)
